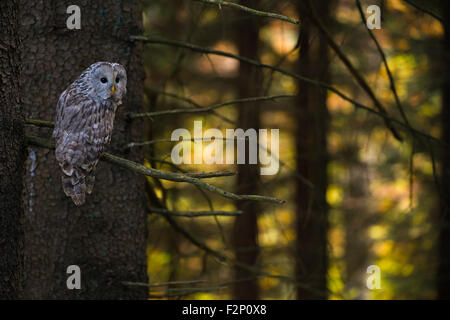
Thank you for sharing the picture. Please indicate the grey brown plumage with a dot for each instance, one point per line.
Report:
(83, 125)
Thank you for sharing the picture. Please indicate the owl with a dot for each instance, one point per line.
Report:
(83, 125)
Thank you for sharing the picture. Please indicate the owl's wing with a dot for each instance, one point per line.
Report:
(75, 153)
(58, 115)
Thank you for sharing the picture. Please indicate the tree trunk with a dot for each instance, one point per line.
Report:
(105, 237)
(245, 229)
(312, 123)
(12, 154)
(443, 277)
(356, 220)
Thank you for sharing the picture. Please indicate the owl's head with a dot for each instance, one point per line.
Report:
(108, 80)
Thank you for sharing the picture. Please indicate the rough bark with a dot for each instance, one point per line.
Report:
(311, 150)
(245, 229)
(106, 237)
(443, 276)
(12, 154)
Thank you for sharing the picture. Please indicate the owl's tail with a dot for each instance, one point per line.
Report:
(77, 185)
(75, 190)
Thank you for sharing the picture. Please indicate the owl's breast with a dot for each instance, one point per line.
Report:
(102, 122)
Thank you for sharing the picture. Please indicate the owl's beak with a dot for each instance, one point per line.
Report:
(113, 89)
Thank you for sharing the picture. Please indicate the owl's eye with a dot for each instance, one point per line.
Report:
(117, 80)
(103, 80)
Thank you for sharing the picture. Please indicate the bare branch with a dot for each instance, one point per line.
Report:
(386, 66)
(425, 10)
(161, 284)
(40, 123)
(186, 100)
(381, 111)
(358, 77)
(210, 108)
(192, 214)
(164, 175)
(221, 3)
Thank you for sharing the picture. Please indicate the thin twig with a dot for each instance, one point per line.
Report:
(210, 108)
(386, 65)
(358, 77)
(425, 10)
(192, 214)
(160, 284)
(186, 100)
(250, 10)
(40, 123)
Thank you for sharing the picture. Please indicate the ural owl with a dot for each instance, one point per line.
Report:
(84, 123)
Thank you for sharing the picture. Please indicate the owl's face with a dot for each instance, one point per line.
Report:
(109, 80)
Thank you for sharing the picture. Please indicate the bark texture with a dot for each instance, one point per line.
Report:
(106, 237)
(12, 154)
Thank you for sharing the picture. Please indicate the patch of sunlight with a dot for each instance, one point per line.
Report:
(289, 236)
(385, 204)
(403, 44)
(157, 261)
(194, 264)
(335, 283)
(334, 195)
(383, 248)
(208, 17)
(397, 5)
(377, 232)
(419, 218)
(347, 14)
(288, 85)
(336, 238)
(432, 28)
(267, 283)
(219, 65)
(403, 68)
(430, 110)
(284, 216)
(337, 104)
(390, 266)
(281, 36)
(204, 296)
(269, 237)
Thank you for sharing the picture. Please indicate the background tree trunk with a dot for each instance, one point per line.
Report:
(245, 229)
(444, 239)
(312, 123)
(357, 220)
(12, 154)
(106, 237)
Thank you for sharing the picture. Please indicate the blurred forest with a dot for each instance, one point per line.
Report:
(380, 204)
(364, 154)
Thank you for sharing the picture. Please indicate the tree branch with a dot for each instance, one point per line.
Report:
(164, 175)
(221, 3)
(200, 49)
(386, 66)
(210, 108)
(358, 77)
(425, 10)
(192, 214)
